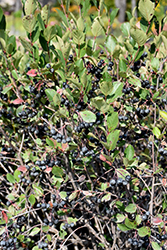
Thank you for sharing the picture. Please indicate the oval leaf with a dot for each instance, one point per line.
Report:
(34, 231)
(131, 208)
(163, 114)
(18, 101)
(88, 116)
(143, 231)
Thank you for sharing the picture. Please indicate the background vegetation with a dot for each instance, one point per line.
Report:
(83, 130)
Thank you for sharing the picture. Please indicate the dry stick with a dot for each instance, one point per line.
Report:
(76, 236)
(114, 236)
(143, 181)
(21, 146)
(100, 229)
(8, 140)
(3, 167)
(70, 173)
(71, 235)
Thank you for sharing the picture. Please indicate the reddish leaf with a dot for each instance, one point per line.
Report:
(32, 72)
(102, 157)
(18, 101)
(48, 170)
(60, 91)
(164, 181)
(4, 152)
(22, 169)
(5, 217)
(156, 220)
(64, 146)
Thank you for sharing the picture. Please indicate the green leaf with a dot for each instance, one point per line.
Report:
(120, 218)
(73, 195)
(97, 29)
(138, 219)
(10, 178)
(111, 43)
(32, 199)
(134, 81)
(43, 42)
(112, 139)
(2, 20)
(122, 173)
(50, 142)
(122, 65)
(49, 33)
(155, 246)
(71, 220)
(143, 231)
(117, 51)
(131, 208)
(36, 248)
(30, 7)
(160, 11)
(63, 194)
(157, 132)
(10, 197)
(6, 89)
(40, 22)
(116, 92)
(130, 224)
(106, 87)
(123, 227)
(129, 152)
(57, 171)
(106, 197)
(139, 36)
(113, 14)
(34, 231)
(163, 114)
(16, 173)
(88, 116)
(155, 63)
(63, 17)
(104, 186)
(80, 24)
(112, 121)
(146, 8)
(44, 14)
(78, 37)
(26, 44)
(38, 190)
(125, 27)
(128, 47)
(29, 22)
(50, 94)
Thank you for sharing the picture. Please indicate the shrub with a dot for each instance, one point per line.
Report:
(83, 131)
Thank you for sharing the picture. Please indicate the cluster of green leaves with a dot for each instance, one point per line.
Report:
(71, 125)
